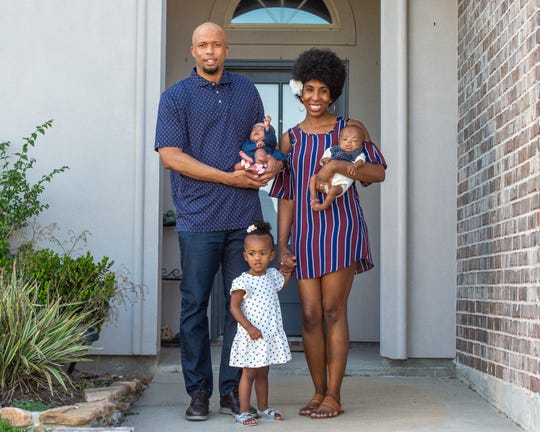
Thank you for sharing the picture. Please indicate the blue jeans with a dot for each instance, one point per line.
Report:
(201, 254)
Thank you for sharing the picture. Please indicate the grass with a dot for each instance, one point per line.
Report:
(31, 405)
(6, 427)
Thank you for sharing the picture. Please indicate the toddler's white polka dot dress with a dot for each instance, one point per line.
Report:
(261, 308)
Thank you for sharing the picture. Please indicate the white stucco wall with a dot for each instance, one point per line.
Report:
(84, 64)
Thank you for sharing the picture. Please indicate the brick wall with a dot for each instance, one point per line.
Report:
(498, 256)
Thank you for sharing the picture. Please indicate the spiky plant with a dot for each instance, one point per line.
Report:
(37, 339)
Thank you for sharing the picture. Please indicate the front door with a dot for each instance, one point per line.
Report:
(272, 80)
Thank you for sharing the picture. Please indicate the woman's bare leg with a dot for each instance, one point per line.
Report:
(336, 288)
(309, 291)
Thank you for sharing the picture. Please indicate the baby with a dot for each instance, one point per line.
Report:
(351, 143)
(261, 143)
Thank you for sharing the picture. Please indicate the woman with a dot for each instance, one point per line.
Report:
(328, 247)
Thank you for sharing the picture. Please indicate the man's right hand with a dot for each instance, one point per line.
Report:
(245, 179)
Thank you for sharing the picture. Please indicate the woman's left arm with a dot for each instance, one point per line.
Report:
(368, 173)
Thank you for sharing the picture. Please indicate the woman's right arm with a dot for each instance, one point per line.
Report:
(287, 262)
(285, 218)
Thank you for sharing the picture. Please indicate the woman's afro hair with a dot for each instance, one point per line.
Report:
(322, 65)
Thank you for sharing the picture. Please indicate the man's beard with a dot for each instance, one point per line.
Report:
(212, 71)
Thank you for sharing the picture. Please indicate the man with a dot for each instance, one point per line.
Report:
(201, 124)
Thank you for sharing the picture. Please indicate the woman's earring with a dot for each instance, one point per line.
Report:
(301, 108)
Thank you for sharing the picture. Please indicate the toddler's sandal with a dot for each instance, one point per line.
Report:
(270, 414)
(246, 419)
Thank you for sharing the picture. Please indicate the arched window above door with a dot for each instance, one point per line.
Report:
(277, 22)
(282, 12)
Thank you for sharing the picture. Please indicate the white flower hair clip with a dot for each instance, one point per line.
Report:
(251, 228)
(296, 87)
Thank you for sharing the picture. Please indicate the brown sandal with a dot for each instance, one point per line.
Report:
(328, 408)
(312, 405)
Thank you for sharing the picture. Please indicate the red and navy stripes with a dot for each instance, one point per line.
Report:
(330, 240)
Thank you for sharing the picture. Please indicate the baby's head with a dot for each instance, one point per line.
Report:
(351, 138)
(257, 132)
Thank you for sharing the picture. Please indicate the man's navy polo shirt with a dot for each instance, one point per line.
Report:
(209, 121)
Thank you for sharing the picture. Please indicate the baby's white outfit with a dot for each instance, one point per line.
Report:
(339, 179)
(261, 308)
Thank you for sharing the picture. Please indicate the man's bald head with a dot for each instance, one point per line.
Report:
(208, 27)
(209, 50)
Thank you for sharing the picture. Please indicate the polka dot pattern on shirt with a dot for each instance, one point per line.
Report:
(209, 121)
(261, 307)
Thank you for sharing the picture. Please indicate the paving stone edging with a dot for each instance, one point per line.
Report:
(106, 406)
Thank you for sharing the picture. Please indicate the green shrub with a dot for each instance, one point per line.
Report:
(37, 340)
(19, 198)
(79, 283)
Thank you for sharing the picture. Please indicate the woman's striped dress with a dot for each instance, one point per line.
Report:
(329, 240)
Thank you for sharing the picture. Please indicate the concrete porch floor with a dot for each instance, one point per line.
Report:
(377, 395)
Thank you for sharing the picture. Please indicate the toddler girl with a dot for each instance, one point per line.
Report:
(260, 339)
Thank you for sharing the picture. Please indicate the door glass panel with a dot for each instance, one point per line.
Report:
(277, 98)
(282, 106)
(270, 97)
(293, 110)
(280, 12)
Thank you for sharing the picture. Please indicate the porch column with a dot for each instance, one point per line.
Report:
(394, 143)
(150, 65)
